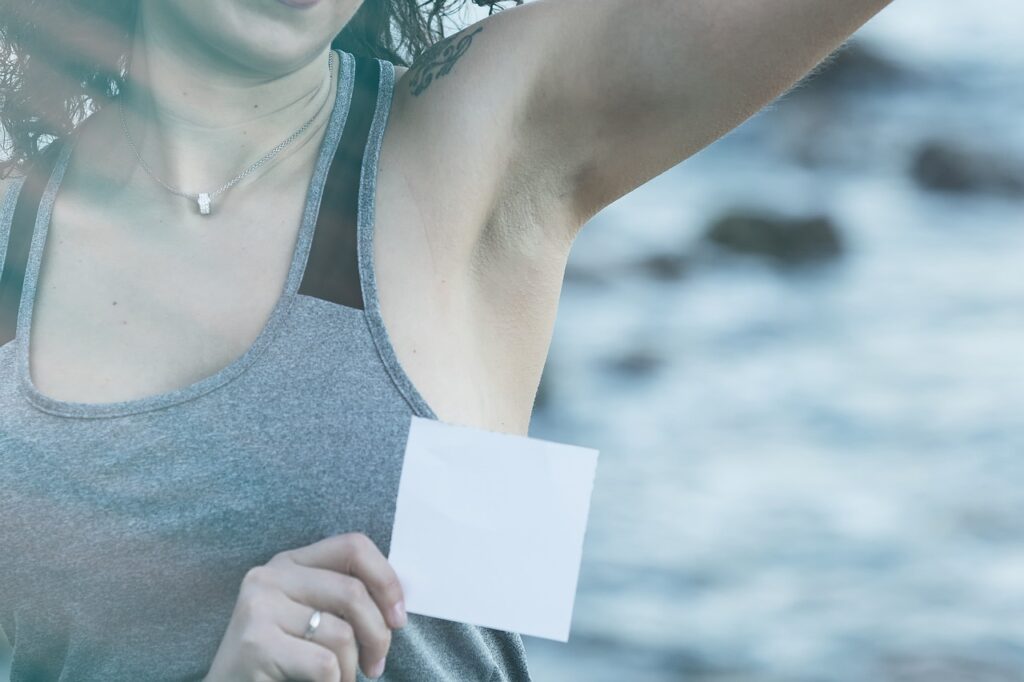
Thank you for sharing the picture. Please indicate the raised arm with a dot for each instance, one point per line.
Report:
(615, 92)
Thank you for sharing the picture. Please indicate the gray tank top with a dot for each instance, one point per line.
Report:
(126, 528)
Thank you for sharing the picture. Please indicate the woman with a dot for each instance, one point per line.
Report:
(225, 290)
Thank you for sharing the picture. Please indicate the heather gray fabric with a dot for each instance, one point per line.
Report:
(126, 528)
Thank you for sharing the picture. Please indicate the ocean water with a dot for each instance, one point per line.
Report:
(810, 475)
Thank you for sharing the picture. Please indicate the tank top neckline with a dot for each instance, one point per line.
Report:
(300, 253)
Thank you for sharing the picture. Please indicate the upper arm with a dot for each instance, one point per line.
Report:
(523, 125)
(615, 92)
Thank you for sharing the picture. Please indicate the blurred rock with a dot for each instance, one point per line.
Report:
(663, 266)
(952, 167)
(989, 523)
(636, 363)
(658, 266)
(783, 241)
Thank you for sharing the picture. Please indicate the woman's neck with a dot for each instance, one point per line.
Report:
(199, 119)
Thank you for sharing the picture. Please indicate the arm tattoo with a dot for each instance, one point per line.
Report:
(438, 59)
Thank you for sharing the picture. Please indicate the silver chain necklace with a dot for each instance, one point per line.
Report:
(205, 199)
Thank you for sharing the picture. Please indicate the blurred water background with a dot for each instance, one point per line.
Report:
(801, 355)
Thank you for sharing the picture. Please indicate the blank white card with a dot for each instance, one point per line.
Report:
(489, 527)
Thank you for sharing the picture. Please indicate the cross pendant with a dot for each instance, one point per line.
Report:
(204, 203)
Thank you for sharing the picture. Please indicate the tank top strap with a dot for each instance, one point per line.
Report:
(333, 269)
(340, 267)
(17, 227)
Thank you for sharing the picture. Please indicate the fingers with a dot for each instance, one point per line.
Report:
(348, 580)
(354, 616)
(333, 634)
(299, 659)
(355, 554)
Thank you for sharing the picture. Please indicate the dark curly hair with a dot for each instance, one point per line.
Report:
(62, 60)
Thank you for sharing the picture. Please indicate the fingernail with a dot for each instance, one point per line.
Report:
(377, 669)
(398, 614)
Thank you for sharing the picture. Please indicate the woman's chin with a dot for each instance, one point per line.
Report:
(267, 36)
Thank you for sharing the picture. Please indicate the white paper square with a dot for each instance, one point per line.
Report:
(489, 527)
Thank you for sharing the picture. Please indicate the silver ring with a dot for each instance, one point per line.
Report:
(314, 623)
